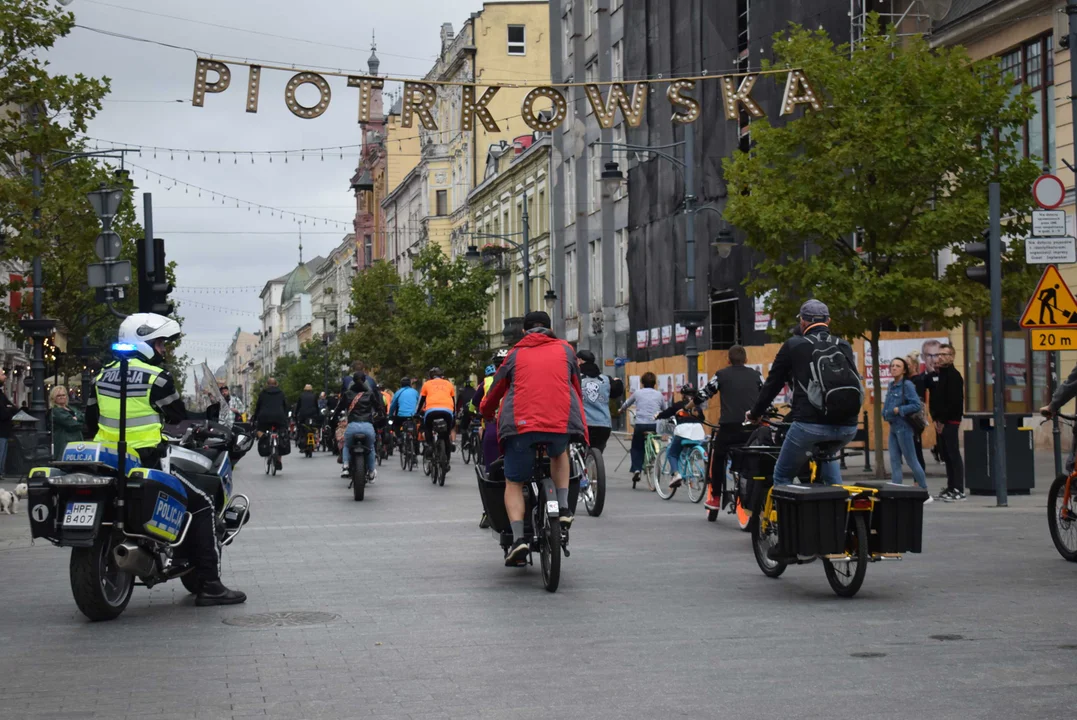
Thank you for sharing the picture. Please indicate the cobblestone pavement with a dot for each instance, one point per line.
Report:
(660, 614)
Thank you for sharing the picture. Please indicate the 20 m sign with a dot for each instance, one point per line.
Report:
(419, 98)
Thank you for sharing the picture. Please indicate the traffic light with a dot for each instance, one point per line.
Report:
(160, 287)
(979, 250)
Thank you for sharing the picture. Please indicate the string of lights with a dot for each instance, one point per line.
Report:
(218, 308)
(216, 289)
(225, 199)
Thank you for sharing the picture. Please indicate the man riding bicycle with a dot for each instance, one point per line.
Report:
(402, 406)
(272, 412)
(438, 399)
(540, 384)
(827, 394)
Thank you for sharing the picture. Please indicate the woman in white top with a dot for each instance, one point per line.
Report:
(649, 402)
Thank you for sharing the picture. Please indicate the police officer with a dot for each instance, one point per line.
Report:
(152, 399)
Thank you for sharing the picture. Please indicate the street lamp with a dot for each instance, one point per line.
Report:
(611, 179)
(550, 297)
(725, 243)
(472, 256)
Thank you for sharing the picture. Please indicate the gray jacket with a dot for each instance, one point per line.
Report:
(1065, 392)
(649, 402)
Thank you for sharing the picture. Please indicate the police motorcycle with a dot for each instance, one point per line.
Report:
(125, 523)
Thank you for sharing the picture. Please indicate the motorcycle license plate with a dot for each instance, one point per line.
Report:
(80, 514)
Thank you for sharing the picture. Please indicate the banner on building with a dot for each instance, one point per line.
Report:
(682, 333)
(641, 339)
(762, 317)
(656, 338)
(419, 99)
(667, 334)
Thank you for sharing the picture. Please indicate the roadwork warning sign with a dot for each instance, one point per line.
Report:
(1052, 304)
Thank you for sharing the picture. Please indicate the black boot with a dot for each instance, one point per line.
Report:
(215, 593)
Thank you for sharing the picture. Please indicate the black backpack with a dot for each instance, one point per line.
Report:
(835, 388)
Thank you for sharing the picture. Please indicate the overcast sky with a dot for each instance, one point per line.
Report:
(220, 246)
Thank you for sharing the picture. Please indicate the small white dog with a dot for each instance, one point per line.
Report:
(21, 490)
(9, 502)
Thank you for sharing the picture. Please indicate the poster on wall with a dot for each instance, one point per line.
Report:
(785, 396)
(655, 337)
(679, 381)
(925, 348)
(682, 333)
(667, 334)
(641, 339)
(633, 382)
(702, 380)
(665, 386)
(762, 317)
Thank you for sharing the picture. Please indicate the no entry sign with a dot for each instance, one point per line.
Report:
(1048, 191)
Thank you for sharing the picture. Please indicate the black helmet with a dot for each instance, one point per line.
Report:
(405, 381)
(586, 355)
(435, 372)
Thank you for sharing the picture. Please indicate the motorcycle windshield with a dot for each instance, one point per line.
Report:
(207, 384)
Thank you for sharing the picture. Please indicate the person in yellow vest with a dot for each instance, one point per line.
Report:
(152, 401)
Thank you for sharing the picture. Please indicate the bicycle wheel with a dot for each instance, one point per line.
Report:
(443, 462)
(273, 465)
(403, 456)
(427, 465)
(595, 499)
(650, 465)
(465, 449)
(269, 461)
(663, 475)
(846, 577)
(550, 554)
(1062, 518)
(763, 541)
(695, 475)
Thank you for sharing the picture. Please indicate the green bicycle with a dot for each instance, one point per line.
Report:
(652, 448)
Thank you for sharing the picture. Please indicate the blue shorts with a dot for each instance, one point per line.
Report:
(519, 452)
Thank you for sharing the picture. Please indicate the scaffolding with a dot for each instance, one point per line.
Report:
(910, 17)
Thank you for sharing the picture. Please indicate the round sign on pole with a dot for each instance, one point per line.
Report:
(1048, 191)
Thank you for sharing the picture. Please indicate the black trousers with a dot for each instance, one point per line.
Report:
(727, 436)
(598, 436)
(201, 545)
(951, 455)
(918, 444)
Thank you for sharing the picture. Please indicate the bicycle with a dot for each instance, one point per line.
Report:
(407, 446)
(886, 521)
(273, 459)
(1062, 509)
(471, 443)
(733, 484)
(589, 465)
(310, 442)
(692, 465)
(439, 461)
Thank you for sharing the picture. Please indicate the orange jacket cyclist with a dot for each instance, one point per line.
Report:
(438, 399)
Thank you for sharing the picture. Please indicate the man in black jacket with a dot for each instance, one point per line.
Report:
(810, 424)
(361, 413)
(306, 408)
(272, 410)
(946, 401)
(738, 386)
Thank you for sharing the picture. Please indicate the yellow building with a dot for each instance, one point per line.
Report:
(514, 171)
(503, 42)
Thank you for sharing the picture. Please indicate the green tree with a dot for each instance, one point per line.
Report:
(903, 151)
(405, 327)
(294, 373)
(41, 116)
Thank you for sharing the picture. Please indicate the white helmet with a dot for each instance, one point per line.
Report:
(141, 329)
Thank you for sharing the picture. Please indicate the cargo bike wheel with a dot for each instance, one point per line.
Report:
(846, 576)
(764, 538)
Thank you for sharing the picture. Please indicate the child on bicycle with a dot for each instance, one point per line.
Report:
(688, 419)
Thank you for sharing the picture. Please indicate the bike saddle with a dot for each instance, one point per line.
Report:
(827, 450)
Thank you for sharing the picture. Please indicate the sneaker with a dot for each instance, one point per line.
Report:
(635, 478)
(371, 476)
(958, 496)
(344, 472)
(944, 495)
(675, 482)
(566, 518)
(929, 500)
(517, 554)
(712, 503)
(484, 523)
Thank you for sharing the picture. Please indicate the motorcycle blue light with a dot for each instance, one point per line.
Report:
(123, 347)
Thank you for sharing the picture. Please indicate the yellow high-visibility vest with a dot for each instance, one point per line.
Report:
(143, 422)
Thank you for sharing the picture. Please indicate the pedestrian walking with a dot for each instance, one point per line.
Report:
(649, 402)
(918, 377)
(7, 412)
(946, 399)
(901, 403)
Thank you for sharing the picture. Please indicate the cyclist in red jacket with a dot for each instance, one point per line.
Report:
(539, 383)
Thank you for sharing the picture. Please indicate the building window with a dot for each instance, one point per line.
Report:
(570, 283)
(368, 250)
(570, 192)
(594, 172)
(566, 31)
(588, 18)
(517, 43)
(617, 57)
(725, 321)
(543, 212)
(594, 269)
(620, 252)
(1032, 65)
(442, 203)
